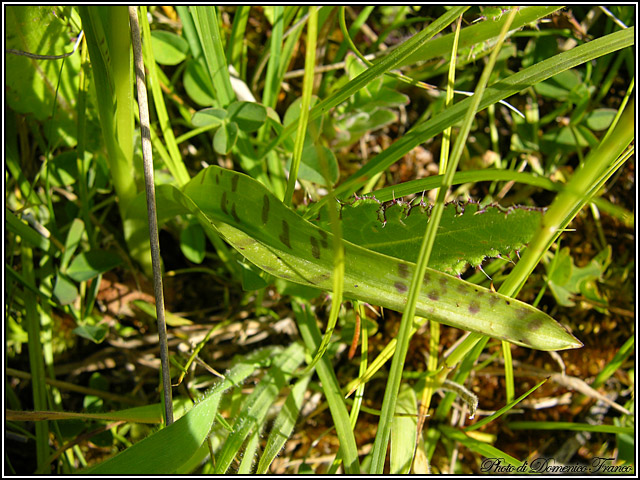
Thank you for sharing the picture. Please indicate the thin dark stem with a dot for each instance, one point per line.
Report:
(151, 211)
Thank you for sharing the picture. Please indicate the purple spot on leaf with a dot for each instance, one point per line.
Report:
(474, 307)
(233, 213)
(223, 203)
(403, 270)
(315, 248)
(265, 209)
(284, 236)
(535, 324)
(400, 287)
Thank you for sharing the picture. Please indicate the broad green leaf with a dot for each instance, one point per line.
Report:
(209, 116)
(292, 115)
(388, 97)
(467, 232)
(279, 241)
(566, 280)
(90, 264)
(197, 84)
(249, 116)
(95, 333)
(225, 138)
(600, 118)
(168, 48)
(365, 121)
(311, 168)
(64, 290)
(251, 280)
(71, 243)
(192, 243)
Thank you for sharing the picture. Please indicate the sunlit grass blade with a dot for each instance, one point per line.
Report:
(620, 357)
(384, 65)
(403, 431)
(498, 91)
(311, 335)
(283, 424)
(255, 408)
(471, 176)
(395, 375)
(483, 449)
(206, 23)
(571, 426)
(307, 87)
(235, 44)
(504, 409)
(151, 455)
(175, 165)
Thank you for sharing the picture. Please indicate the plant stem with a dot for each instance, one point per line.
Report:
(147, 156)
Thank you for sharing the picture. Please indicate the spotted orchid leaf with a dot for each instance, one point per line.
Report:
(276, 239)
(467, 234)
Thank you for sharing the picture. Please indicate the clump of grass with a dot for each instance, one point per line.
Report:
(83, 371)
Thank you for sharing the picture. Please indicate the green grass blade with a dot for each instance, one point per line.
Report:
(307, 87)
(175, 163)
(206, 22)
(470, 176)
(389, 62)
(620, 357)
(256, 406)
(309, 331)
(397, 365)
(494, 93)
(483, 449)
(166, 450)
(504, 409)
(236, 39)
(283, 424)
(571, 426)
(403, 431)
(36, 358)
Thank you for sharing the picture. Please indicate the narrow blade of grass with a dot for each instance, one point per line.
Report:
(571, 426)
(498, 91)
(504, 409)
(311, 335)
(395, 375)
(166, 450)
(206, 22)
(283, 424)
(255, 408)
(483, 449)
